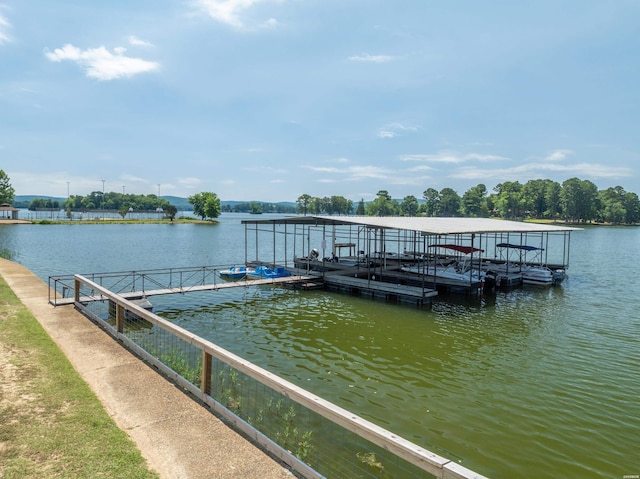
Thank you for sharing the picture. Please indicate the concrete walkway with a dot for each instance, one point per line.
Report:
(178, 437)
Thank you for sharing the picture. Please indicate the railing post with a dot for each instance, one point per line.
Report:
(205, 382)
(119, 318)
(76, 292)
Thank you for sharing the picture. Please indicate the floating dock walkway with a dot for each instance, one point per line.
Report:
(400, 293)
(298, 281)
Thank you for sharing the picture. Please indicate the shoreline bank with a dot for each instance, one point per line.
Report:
(177, 436)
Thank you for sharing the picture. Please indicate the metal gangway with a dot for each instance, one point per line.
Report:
(153, 282)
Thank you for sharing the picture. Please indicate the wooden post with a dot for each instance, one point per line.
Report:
(119, 318)
(76, 292)
(205, 382)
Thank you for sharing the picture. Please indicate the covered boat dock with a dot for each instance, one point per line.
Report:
(409, 259)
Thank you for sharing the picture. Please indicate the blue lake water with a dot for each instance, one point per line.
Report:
(529, 383)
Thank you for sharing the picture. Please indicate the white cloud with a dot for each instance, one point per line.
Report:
(438, 158)
(263, 168)
(271, 23)
(394, 129)
(190, 181)
(421, 168)
(132, 179)
(57, 183)
(366, 58)
(558, 155)
(354, 172)
(53, 183)
(367, 172)
(483, 158)
(135, 41)
(386, 134)
(525, 172)
(4, 28)
(230, 11)
(101, 64)
(553, 165)
(452, 157)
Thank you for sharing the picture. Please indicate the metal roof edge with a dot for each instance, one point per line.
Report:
(429, 225)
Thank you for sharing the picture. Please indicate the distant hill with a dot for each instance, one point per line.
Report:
(180, 203)
(30, 198)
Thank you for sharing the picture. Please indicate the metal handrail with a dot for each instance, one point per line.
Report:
(408, 451)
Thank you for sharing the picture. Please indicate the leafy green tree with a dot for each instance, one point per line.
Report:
(409, 206)
(123, 210)
(205, 204)
(256, 208)
(171, 212)
(632, 208)
(491, 206)
(325, 205)
(431, 201)
(360, 210)
(40, 203)
(303, 203)
(615, 213)
(341, 206)
(114, 201)
(7, 193)
(508, 200)
(552, 198)
(579, 200)
(450, 203)
(474, 202)
(611, 201)
(36, 203)
(87, 203)
(315, 205)
(382, 205)
(618, 206)
(534, 198)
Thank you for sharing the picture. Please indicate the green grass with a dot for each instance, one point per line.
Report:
(110, 221)
(51, 423)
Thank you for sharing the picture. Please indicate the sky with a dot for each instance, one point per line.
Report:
(266, 100)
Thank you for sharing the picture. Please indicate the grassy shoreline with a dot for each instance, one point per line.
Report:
(51, 423)
(111, 221)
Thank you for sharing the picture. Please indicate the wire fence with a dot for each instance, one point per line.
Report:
(314, 437)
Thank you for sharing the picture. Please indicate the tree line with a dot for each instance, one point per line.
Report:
(258, 207)
(97, 200)
(574, 200)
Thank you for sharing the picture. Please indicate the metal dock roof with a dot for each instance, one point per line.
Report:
(442, 226)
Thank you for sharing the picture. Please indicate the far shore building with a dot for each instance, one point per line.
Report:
(8, 212)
